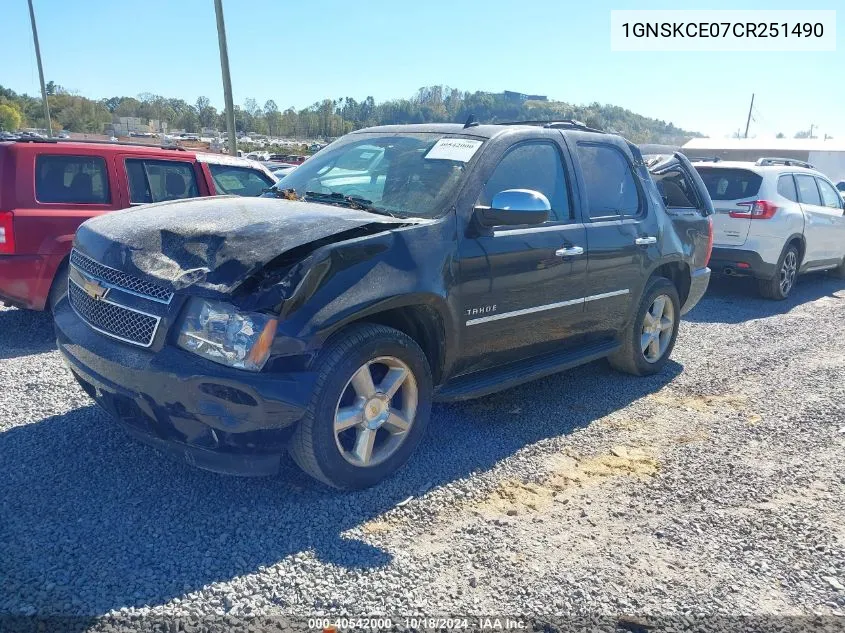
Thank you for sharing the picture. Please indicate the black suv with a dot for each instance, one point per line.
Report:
(400, 265)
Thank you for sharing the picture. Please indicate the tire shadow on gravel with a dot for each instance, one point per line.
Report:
(25, 332)
(734, 300)
(91, 520)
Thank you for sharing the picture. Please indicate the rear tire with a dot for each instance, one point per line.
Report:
(355, 432)
(648, 341)
(779, 286)
(58, 289)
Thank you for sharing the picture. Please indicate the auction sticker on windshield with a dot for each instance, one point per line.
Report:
(460, 149)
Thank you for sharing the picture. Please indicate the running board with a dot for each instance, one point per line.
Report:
(489, 381)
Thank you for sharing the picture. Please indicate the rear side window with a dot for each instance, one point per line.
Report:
(611, 187)
(786, 187)
(239, 181)
(730, 184)
(676, 190)
(71, 179)
(160, 180)
(536, 166)
(830, 197)
(808, 193)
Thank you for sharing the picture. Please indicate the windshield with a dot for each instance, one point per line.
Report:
(401, 174)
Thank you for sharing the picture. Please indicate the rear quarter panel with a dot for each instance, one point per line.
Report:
(689, 237)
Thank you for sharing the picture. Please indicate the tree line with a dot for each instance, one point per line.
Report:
(327, 118)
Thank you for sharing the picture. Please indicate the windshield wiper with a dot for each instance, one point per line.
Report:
(353, 202)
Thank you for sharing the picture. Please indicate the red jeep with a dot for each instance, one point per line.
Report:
(48, 188)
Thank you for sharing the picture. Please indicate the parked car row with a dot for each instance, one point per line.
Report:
(48, 188)
(403, 265)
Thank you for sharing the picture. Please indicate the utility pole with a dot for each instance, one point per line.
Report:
(227, 80)
(748, 121)
(40, 71)
(812, 125)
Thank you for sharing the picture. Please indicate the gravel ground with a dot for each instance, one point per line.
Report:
(714, 488)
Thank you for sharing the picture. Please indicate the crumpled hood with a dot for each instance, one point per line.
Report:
(216, 242)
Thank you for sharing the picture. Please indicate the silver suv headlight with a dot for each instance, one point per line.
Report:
(219, 332)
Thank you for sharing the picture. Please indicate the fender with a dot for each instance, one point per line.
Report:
(803, 241)
(355, 279)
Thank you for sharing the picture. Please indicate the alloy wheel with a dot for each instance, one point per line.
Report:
(787, 272)
(375, 411)
(658, 326)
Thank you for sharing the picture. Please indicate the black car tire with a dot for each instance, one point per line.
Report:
(771, 288)
(630, 358)
(313, 445)
(58, 289)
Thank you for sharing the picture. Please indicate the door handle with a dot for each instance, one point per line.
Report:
(645, 241)
(569, 252)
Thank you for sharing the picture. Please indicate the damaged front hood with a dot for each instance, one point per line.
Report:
(214, 243)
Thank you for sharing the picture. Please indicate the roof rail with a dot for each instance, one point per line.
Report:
(789, 162)
(704, 159)
(31, 139)
(562, 123)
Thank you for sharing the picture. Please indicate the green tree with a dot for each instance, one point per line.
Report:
(10, 117)
(207, 113)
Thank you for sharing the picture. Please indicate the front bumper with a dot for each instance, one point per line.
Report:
(214, 417)
(726, 261)
(699, 280)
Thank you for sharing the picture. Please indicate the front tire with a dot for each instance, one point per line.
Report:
(648, 341)
(369, 410)
(779, 286)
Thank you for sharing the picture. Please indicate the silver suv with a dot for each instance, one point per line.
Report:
(775, 219)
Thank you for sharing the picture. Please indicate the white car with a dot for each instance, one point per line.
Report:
(775, 219)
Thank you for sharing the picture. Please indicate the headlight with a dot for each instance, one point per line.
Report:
(217, 331)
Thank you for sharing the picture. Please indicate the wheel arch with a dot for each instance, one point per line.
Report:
(800, 242)
(679, 273)
(424, 318)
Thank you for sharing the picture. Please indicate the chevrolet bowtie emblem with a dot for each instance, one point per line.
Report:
(95, 290)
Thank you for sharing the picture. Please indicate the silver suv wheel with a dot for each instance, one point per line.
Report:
(788, 270)
(658, 328)
(375, 411)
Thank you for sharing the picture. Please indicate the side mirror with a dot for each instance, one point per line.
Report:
(513, 207)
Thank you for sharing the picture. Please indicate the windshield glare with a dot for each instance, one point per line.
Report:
(389, 170)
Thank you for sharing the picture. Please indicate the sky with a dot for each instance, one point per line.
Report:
(300, 52)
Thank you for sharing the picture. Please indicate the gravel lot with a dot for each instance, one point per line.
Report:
(714, 488)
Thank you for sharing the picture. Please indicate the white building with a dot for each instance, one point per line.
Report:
(828, 156)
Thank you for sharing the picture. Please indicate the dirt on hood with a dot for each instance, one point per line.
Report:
(213, 243)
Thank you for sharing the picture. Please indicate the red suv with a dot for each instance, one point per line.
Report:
(48, 188)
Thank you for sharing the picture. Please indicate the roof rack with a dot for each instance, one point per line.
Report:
(33, 139)
(559, 124)
(789, 162)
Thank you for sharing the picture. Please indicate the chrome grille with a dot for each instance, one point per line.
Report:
(112, 319)
(120, 279)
